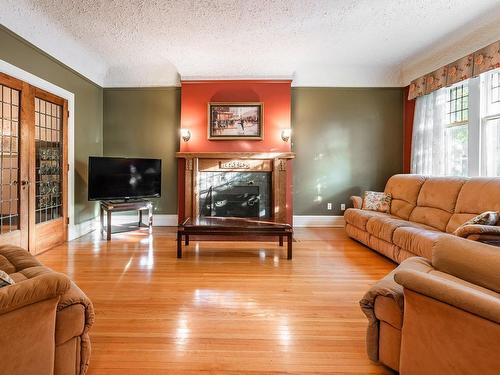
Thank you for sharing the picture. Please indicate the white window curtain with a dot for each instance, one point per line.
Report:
(428, 144)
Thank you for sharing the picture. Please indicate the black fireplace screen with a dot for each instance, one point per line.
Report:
(235, 194)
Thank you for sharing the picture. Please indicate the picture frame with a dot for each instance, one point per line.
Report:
(235, 120)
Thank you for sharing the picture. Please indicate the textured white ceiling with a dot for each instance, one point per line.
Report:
(317, 42)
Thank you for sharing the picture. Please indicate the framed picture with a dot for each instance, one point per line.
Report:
(235, 121)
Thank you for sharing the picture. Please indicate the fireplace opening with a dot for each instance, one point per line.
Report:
(235, 194)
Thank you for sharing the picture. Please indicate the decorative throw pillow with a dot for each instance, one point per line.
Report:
(486, 218)
(375, 201)
(5, 279)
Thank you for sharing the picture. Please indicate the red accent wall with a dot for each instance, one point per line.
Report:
(276, 98)
(408, 115)
(195, 96)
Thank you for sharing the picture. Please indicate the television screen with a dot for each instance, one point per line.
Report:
(124, 178)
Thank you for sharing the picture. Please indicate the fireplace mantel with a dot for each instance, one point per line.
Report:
(236, 155)
(274, 162)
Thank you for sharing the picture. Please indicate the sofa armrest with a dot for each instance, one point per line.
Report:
(74, 296)
(385, 287)
(357, 202)
(471, 230)
(36, 289)
(451, 292)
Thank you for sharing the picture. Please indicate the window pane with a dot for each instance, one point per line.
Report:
(491, 137)
(458, 104)
(493, 103)
(456, 150)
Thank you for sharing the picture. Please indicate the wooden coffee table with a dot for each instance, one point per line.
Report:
(233, 226)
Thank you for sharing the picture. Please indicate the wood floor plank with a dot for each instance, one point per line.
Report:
(227, 307)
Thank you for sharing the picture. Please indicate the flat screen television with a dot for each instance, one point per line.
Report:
(123, 178)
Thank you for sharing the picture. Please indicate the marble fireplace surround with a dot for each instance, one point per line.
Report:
(277, 163)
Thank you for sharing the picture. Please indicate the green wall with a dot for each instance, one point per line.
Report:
(347, 140)
(144, 122)
(88, 108)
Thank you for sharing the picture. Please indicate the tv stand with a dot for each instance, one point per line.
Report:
(121, 206)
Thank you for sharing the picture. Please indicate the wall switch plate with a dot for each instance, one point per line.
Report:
(342, 207)
(328, 206)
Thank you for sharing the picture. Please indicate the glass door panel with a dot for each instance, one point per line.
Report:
(9, 160)
(49, 161)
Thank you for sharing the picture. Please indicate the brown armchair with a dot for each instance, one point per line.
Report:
(44, 319)
(440, 316)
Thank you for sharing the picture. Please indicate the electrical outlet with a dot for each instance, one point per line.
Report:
(328, 206)
(342, 207)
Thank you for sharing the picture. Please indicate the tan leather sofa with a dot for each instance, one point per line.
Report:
(422, 210)
(44, 319)
(440, 316)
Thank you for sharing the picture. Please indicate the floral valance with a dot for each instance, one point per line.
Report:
(472, 65)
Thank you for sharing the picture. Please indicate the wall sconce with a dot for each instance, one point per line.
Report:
(185, 134)
(285, 134)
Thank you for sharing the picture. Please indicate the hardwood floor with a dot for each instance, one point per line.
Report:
(226, 307)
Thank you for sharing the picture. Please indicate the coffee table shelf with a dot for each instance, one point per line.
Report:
(232, 226)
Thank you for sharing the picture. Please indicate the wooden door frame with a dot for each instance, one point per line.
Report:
(26, 236)
(26, 117)
(51, 238)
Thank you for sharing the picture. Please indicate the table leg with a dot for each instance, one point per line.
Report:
(101, 214)
(150, 220)
(186, 236)
(108, 226)
(289, 246)
(281, 240)
(140, 218)
(179, 245)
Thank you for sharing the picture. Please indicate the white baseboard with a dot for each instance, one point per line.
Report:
(78, 230)
(311, 221)
(159, 220)
(163, 220)
(170, 220)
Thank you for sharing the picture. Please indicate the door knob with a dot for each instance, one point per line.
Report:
(25, 182)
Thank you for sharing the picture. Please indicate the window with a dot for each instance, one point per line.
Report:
(491, 124)
(456, 129)
(456, 132)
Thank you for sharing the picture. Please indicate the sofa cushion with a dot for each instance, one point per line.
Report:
(417, 240)
(359, 218)
(456, 220)
(475, 198)
(29, 273)
(388, 249)
(384, 227)
(13, 259)
(358, 234)
(436, 201)
(404, 189)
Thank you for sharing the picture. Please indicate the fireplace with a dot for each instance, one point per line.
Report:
(235, 194)
(236, 184)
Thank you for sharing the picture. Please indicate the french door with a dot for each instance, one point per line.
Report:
(33, 166)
